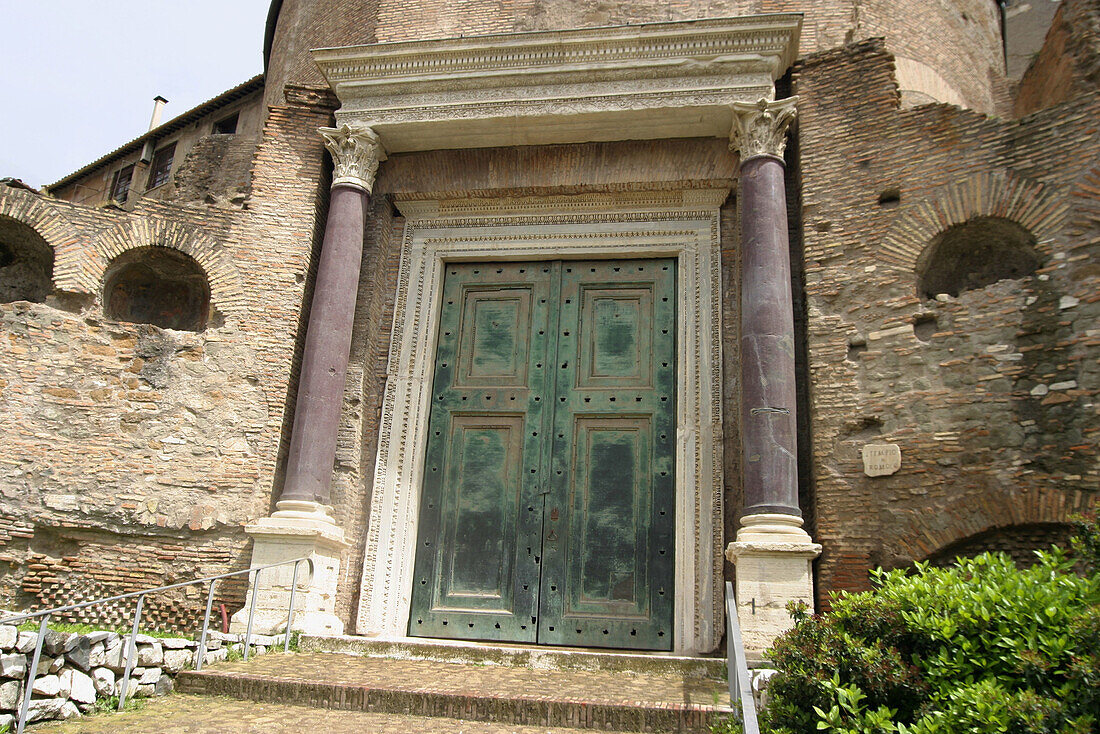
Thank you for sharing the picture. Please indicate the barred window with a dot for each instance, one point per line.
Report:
(161, 169)
(120, 186)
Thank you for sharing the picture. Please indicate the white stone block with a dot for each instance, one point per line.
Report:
(27, 641)
(104, 681)
(45, 708)
(81, 687)
(9, 694)
(8, 637)
(47, 685)
(68, 711)
(13, 665)
(150, 676)
(150, 654)
(177, 660)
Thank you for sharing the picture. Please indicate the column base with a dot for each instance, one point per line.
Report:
(297, 529)
(774, 558)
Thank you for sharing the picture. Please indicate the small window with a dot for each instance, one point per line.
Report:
(161, 169)
(120, 186)
(228, 126)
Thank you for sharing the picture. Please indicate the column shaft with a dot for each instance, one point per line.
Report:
(767, 343)
(327, 347)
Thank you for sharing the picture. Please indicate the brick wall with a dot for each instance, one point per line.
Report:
(990, 394)
(1068, 63)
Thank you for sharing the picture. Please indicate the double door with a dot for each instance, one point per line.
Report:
(546, 512)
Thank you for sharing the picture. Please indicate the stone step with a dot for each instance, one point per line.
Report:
(588, 699)
(538, 658)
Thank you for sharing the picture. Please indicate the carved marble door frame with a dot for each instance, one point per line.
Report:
(680, 224)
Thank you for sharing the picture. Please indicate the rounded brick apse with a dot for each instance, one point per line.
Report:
(1018, 541)
(946, 51)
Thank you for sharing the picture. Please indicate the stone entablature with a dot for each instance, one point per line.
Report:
(643, 82)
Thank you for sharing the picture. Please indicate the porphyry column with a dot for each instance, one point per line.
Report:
(302, 525)
(772, 553)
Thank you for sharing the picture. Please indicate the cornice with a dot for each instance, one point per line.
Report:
(639, 82)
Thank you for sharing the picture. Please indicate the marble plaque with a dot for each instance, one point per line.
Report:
(881, 459)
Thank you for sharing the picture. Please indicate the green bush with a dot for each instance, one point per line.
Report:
(982, 646)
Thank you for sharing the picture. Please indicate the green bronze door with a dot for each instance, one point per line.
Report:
(547, 507)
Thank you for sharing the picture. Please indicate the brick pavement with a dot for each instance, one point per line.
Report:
(506, 695)
(218, 715)
(484, 680)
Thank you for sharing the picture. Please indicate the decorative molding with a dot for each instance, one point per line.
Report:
(1039, 208)
(356, 153)
(637, 82)
(760, 129)
(524, 229)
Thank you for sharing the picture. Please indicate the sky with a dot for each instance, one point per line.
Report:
(78, 77)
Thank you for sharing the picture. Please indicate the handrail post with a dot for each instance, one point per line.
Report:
(200, 653)
(31, 675)
(251, 612)
(738, 669)
(290, 611)
(131, 652)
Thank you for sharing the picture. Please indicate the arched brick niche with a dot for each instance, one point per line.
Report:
(48, 221)
(998, 216)
(1018, 541)
(26, 263)
(971, 524)
(974, 254)
(225, 295)
(159, 286)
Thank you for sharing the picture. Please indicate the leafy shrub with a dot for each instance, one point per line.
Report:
(981, 646)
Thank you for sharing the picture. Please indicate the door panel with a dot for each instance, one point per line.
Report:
(607, 578)
(478, 553)
(479, 502)
(547, 505)
(608, 505)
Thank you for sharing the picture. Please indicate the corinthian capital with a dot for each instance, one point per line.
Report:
(760, 129)
(356, 152)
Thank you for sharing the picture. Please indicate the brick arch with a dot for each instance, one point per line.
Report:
(925, 533)
(71, 258)
(1036, 207)
(226, 292)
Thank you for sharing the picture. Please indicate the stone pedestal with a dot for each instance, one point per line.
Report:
(297, 529)
(774, 558)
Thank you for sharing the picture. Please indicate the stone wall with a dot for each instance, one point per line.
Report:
(134, 455)
(990, 394)
(75, 671)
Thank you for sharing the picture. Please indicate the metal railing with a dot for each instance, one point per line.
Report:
(737, 667)
(131, 652)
